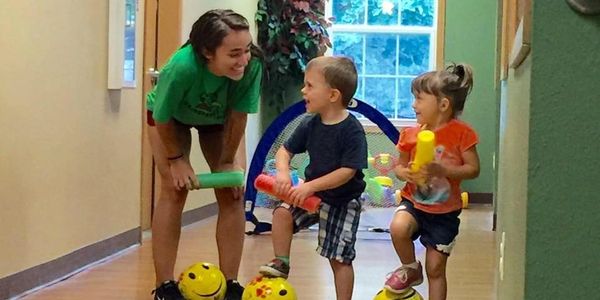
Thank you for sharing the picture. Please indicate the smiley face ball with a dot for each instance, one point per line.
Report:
(202, 281)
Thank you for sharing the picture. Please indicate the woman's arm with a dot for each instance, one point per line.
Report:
(181, 170)
(235, 127)
(168, 136)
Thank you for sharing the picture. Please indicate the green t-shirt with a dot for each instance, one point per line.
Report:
(188, 92)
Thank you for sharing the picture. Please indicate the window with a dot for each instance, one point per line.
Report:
(129, 55)
(121, 43)
(391, 42)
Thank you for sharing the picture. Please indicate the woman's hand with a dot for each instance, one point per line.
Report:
(183, 175)
(238, 191)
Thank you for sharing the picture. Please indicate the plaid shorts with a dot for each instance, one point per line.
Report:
(337, 228)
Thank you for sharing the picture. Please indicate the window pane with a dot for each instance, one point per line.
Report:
(417, 12)
(405, 99)
(383, 12)
(129, 59)
(360, 91)
(381, 93)
(349, 44)
(349, 11)
(414, 53)
(381, 54)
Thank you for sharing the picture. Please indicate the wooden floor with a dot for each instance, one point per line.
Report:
(129, 275)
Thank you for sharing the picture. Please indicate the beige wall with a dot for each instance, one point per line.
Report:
(70, 151)
(191, 11)
(513, 181)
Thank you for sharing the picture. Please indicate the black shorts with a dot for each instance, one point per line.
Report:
(201, 128)
(437, 231)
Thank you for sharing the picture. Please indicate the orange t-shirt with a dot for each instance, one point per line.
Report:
(442, 194)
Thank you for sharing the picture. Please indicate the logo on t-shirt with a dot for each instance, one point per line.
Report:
(209, 106)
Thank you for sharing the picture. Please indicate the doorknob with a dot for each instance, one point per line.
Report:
(153, 73)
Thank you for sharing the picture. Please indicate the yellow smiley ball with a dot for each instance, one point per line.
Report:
(408, 295)
(267, 288)
(202, 281)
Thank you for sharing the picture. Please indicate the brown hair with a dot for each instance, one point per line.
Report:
(454, 83)
(340, 73)
(212, 27)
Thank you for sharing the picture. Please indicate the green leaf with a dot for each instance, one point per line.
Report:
(289, 37)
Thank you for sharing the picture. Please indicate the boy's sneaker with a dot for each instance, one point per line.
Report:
(234, 290)
(275, 268)
(404, 278)
(168, 290)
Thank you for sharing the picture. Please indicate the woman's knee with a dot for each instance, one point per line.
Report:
(168, 190)
(226, 199)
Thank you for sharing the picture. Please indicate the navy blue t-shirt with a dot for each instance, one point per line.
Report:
(331, 147)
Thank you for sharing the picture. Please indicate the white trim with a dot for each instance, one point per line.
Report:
(116, 43)
(129, 84)
(434, 36)
(383, 29)
(398, 123)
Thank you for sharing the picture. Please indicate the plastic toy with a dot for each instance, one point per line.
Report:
(464, 196)
(425, 150)
(220, 180)
(266, 184)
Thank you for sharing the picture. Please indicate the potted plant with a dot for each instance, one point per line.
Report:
(290, 33)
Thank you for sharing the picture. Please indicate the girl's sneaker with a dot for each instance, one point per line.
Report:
(403, 279)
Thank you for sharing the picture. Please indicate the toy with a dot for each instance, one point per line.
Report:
(202, 281)
(266, 184)
(411, 294)
(384, 181)
(464, 196)
(425, 151)
(373, 190)
(379, 189)
(220, 180)
(384, 163)
(269, 288)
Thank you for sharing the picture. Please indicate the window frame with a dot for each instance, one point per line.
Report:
(436, 52)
